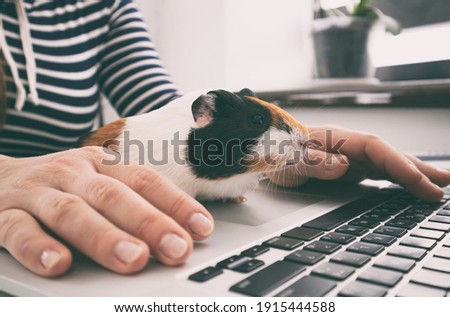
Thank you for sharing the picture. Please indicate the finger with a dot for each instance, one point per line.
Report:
(440, 177)
(22, 236)
(168, 241)
(315, 164)
(402, 170)
(165, 196)
(323, 165)
(75, 221)
(381, 155)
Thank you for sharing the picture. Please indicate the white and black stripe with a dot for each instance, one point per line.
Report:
(81, 49)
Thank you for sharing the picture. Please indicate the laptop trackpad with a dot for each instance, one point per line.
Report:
(261, 207)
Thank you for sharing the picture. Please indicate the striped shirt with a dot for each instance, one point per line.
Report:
(81, 49)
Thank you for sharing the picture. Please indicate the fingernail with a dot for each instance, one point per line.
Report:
(50, 258)
(127, 251)
(200, 224)
(173, 246)
(443, 170)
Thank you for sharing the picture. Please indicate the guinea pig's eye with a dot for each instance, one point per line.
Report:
(257, 119)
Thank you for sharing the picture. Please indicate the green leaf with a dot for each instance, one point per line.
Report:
(361, 8)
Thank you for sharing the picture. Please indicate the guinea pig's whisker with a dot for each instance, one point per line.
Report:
(315, 146)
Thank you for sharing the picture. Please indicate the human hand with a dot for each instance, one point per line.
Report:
(353, 156)
(116, 215)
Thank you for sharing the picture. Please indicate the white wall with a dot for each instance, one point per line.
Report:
(260, 44)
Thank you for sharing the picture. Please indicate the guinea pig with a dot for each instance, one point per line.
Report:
(212, 144)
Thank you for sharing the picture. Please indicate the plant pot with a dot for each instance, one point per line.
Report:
(342, 47)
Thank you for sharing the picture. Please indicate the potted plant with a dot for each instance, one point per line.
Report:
(343, 38)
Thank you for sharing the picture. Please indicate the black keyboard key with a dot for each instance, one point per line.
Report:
(399, 223)
(432, 278)
(305, 257)
(428, 234)
(351, 258)
(206, 274)
(397, 204)
(308, 286)
(419, 211)
(232, 261)
(442, 219)
(418, 243)
(268, 279)
(322, 247)
(411, 217)
(391, 231)
(434, 205)
(341, 215)
(377, 216)
(443, 252)
(425, 205)
(444, 212)
(420, 204)
(386, 210)
(255, 251)
(365, 248)
(303, 233)
(417, 290)
(444, 227)
(283, 243)
(408, 252)
(438, 264)
(379, 239)
(341, 238)
(357, 231)
(365, 222)
(334, 271)
(380, 276)
(248, 266)
(361, 289)
(395, 263)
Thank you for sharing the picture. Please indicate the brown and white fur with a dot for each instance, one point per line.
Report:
(198, 117)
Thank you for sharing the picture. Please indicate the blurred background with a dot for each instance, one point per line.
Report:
(267, 45)
(233, 43)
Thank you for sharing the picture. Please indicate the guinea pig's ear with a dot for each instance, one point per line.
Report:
(203, 109)
(247, 92)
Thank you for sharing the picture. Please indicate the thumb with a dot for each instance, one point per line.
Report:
(323, 165)
(316, 164)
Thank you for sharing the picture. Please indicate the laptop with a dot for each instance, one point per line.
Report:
(322, 239)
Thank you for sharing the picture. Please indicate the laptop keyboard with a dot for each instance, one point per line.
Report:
(381, 239)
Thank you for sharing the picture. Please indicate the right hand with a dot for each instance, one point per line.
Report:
(117, 215)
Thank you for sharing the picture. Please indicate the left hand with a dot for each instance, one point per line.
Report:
(358, 156)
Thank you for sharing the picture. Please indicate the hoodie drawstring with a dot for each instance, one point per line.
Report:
(29, 59)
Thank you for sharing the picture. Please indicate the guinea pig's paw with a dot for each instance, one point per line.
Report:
(239, 199)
